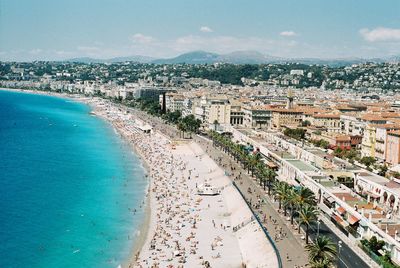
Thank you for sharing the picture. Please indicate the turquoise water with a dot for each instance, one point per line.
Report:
(68, 186)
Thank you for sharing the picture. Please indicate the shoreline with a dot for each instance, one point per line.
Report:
(143, 229)
(178, 220)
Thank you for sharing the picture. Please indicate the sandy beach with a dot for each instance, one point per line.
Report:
(187, 229)
(182, 227)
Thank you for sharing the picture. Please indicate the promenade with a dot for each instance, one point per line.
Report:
(187, 229)
(289, 243)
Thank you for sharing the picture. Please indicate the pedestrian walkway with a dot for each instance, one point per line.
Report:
(289, 244)
(291, 249)
(226, 162)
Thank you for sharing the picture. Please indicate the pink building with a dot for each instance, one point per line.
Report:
(393, 147)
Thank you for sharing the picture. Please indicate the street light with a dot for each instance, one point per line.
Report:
(318, 222)
(340, 247)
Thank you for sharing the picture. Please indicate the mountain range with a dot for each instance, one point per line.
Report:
(236, 57)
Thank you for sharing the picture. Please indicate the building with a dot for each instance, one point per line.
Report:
(257, 116)
(237, 113)
(369, 141)
(331, 122)
(174, 102)
(286, 117)
(153, 93)
(393, 147)
(217, 110)
(351, 124)
(381, 139)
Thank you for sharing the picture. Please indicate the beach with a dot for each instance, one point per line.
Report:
(186, 229)
(195, 217)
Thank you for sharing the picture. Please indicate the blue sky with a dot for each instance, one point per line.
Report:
(57, 29)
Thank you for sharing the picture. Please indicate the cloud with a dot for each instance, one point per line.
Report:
(206, 29)
(142, 39)
(88, 49)
(35, 51)
(287, 33)
(380, 34)
(219, 44)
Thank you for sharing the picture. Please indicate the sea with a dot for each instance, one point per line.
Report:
(71, 189)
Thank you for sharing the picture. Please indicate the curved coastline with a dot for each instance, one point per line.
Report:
(167, 173)
(143, 229)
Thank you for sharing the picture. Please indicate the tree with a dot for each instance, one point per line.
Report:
(281, 190)
(374, 244)
(271, 177)
(261, 173)
(189, 124)
(322, 252)
(324, 144)
(298, 133)
(173, 117)
(368, 161)
(304, 196)
(252, 163)
(307, 216)
(382, 170)
(182, 128)
(324, 263)
(291, 201)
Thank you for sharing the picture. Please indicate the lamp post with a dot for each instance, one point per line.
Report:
(318, 222)
(340, 247)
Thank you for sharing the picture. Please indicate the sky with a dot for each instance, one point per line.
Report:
(63, 29)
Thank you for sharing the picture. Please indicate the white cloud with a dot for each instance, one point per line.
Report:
(35, 51)
(142, 39)
(89, 49)
(288, 33)
(380, 34)
(206, 29)
(219, 44)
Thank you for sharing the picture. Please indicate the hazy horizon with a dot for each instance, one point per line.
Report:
(106, 29)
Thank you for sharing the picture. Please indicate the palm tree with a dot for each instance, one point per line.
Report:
(271, 176)
(291, 202)
(237, 150)
(304, 196)
(322, 252)
(260, 170)
(281, 191)
(321, 263)
(263, 173)
(307, 216)
(252, 161)
(181, 128)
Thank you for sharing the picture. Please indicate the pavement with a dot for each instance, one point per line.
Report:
(348, 258)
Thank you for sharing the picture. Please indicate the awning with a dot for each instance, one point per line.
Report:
(329, 198)
(352, 219)
(373, 195)
(341, 210)
(340, 220)
(271, 164)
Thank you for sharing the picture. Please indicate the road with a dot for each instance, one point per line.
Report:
(347, 258)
